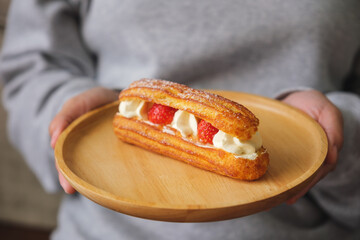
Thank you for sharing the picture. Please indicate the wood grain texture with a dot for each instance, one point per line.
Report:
(137, 182)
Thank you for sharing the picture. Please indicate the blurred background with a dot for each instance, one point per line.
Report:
(26, 211)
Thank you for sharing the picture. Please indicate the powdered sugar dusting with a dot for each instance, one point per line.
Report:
(183, 91)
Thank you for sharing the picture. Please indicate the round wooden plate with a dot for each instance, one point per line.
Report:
(140, 183)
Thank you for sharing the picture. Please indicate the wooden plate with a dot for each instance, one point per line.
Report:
(133, 181)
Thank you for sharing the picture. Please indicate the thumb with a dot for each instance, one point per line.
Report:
(332, 122)
(77, 106)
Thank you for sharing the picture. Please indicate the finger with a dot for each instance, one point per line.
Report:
(332, 122)
(58, 124)
(80, 104)
(65, 184)
(70, 111)
(331, 158)
(77, 106)
(54, 137)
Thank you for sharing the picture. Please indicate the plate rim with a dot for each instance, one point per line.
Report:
(81, 185)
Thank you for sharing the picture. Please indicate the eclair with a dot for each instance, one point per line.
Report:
(200, 128)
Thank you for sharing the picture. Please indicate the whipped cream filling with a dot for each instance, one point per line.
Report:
(186, 123)
(238, 147)
(133, 108)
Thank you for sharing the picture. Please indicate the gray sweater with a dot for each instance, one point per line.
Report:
(54, 50)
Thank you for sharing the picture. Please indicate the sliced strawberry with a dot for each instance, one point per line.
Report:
(206, 131)
(161, 114)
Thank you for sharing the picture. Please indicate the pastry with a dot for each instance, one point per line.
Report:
(200, 128)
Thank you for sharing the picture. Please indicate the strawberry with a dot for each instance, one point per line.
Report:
(206, 131)
(161, 114)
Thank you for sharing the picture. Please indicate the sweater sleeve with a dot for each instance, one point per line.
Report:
(339, 193)
(43, 63)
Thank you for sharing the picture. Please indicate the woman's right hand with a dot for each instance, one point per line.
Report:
(74, 108)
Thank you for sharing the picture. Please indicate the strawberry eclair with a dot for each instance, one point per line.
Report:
(200, 128)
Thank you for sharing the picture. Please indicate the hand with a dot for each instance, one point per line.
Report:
(72, 109)
(317, 105)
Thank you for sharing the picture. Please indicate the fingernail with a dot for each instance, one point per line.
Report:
(54, 138)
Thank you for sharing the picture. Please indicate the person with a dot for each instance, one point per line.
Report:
(63, 58)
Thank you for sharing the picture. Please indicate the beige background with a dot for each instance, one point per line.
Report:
(22, 199)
